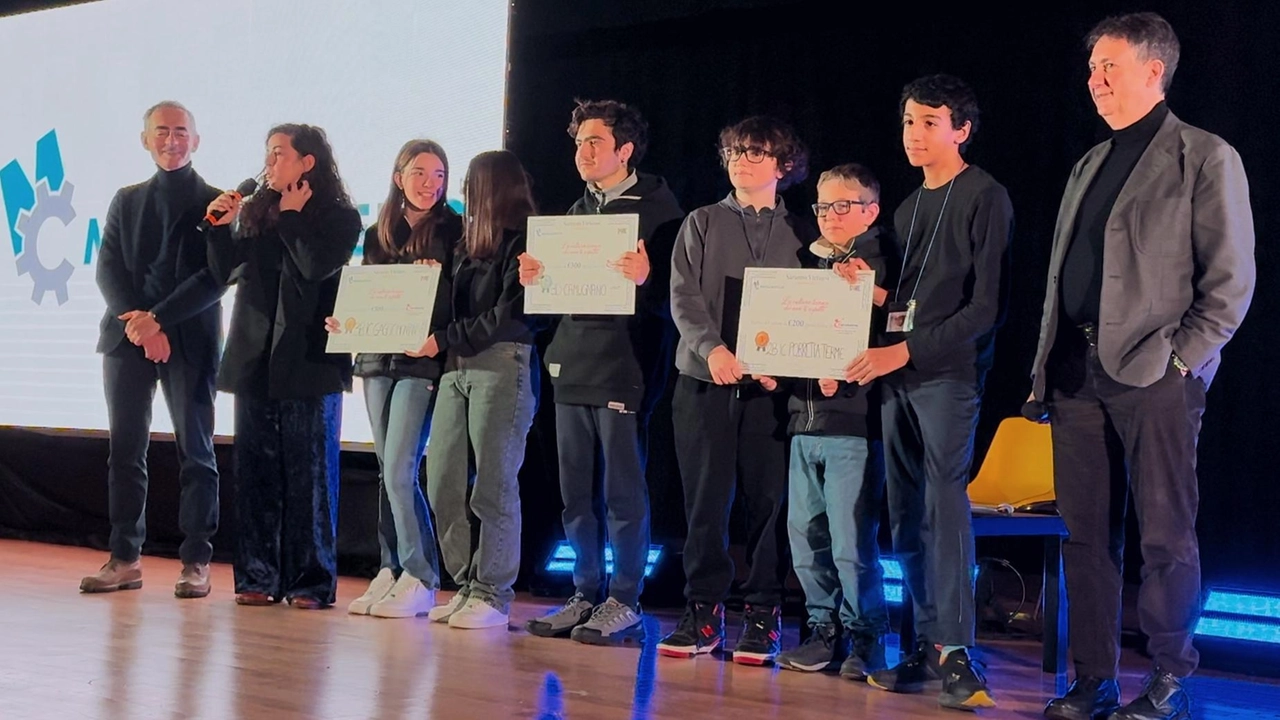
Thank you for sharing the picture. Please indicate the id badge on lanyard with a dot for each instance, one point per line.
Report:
(902, 317)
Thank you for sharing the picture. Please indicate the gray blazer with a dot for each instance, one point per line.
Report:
(1178, 266)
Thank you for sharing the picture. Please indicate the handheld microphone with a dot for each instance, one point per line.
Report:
(244, 189)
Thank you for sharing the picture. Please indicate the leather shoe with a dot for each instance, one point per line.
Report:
(114, 575)
(194, 581)
(1088, 698)
(1162, 698)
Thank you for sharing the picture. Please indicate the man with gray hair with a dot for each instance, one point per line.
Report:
(163, 323)
(1151, 273)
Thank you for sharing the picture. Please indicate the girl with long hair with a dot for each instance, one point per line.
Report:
(290, 243)
(415, 225)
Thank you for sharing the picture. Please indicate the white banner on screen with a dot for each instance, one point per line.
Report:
(77, 80)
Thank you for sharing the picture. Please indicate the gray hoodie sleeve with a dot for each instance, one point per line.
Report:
(688, 303)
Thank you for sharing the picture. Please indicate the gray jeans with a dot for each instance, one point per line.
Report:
(484, 409)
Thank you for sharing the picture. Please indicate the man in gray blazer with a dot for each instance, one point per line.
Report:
(1151, 273)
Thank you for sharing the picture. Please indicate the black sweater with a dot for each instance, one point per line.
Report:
(963, 288)
(287, 281)
(1081, 283)
(444, 240)
(487, 301)
(854, 410)
(615, 360)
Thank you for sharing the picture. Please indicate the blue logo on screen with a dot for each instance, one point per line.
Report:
(29, 206)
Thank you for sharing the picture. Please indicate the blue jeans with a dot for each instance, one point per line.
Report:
(833, 517)
(484, 409)
(400, 415)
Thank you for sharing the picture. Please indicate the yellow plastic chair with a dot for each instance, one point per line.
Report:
(1017, 474)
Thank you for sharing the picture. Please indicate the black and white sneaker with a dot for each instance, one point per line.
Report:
(561, 622)
(700, 631)
(611, 623)
(761, 637)
(826, 647)
(866, 657)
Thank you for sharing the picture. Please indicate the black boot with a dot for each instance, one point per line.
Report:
(1162, 698)
(1088, 698)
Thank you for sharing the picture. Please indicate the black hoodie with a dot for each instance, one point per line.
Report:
(621, 361)
(854, 409)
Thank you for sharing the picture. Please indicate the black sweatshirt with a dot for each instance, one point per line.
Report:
(854, 409)
(622, 361)
(1082, 268)
(963, 289)
(444, 239)
(487, 301)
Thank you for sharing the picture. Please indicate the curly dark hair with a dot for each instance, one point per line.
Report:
(627, 124)
(262, 209)
(945, 91)
(1150, 35)
(781, 141)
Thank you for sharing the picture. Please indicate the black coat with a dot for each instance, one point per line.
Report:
(192, 314)
(287, 281)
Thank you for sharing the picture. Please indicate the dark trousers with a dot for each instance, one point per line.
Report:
(1101, 428)
(286, 463)
(929, 427)
(603, 487)
(129, 380)
(728, 435)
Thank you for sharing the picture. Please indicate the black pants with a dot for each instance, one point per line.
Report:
(286, 462)
(928, 428)
(130, 383)
(726, 435)
(1110, 439)
(603, 487)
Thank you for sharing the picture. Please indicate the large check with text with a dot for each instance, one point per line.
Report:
(384, 308)
(579, 256)
(803, 323)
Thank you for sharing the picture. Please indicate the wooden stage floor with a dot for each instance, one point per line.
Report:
(144, 654)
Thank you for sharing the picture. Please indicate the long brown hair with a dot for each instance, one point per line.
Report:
(497, 196)
(262, 210)
(393, 210)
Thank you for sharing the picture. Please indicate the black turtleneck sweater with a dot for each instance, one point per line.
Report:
(169, 198)
(1082, 268)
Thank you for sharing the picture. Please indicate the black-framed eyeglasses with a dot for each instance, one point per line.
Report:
(754, 153)
(842, 207)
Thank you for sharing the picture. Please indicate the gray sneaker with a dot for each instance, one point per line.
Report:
(194, 581)
(611, 623)
(561, 622)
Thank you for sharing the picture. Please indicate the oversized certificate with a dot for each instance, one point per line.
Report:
(384, 308)
(579, 256)
(803, 323)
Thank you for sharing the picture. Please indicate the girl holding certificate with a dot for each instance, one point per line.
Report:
(292, 239)
(486, 399)
(415, 225)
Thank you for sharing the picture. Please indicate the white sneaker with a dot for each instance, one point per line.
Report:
(378, 589)
(408, 598)
(442, 613)
(477, 614)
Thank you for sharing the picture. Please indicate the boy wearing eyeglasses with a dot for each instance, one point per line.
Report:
(730, 431)
(942, 314)
(836, 483)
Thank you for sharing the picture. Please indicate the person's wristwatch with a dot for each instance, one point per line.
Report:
(1182, 367)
